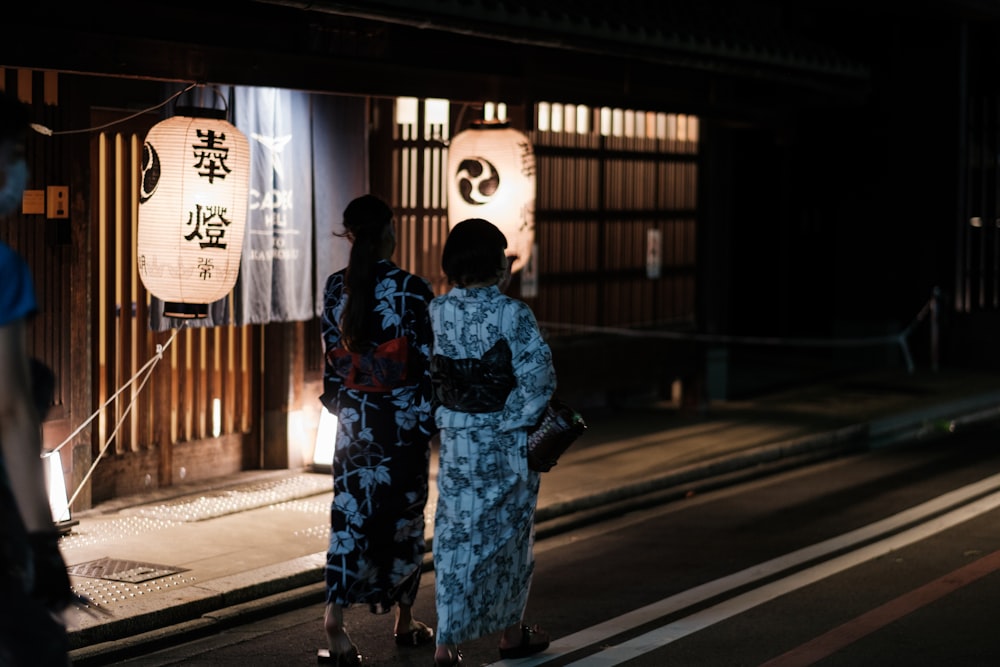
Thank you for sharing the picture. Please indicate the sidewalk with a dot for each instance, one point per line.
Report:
(202, 557)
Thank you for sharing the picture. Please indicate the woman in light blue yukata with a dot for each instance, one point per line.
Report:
(493, 376)
(376, 333)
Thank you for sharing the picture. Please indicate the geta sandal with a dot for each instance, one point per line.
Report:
(525, 648)
(348, 659)
(452, 661)
(417, 636)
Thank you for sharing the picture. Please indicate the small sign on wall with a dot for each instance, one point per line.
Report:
(654, 262)
(529, 275)
(33, 202)
(57, 201)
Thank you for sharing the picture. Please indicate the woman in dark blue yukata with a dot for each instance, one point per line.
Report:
(377, 338)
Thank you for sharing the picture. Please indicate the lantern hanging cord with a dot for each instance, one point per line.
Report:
(145, 372)
(457, 128)
(41, 129)
(225, 102)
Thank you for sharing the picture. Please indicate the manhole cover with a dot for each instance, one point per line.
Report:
(128, 571)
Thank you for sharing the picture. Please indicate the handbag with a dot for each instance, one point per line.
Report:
(558, 428)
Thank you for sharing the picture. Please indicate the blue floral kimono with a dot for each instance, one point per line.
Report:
(484, 523)
(382, 455)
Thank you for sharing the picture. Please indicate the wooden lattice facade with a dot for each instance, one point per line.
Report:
(602, 187)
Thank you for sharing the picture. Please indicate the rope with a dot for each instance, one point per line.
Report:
(865, 341)
(723, 338)
(146, 371)
(43, 130)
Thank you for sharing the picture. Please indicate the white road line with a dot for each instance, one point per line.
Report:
(603, 631)
(741, 603)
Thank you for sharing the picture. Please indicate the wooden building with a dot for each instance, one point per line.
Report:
(710, 174)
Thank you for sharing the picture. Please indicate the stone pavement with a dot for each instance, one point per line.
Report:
(204, 557)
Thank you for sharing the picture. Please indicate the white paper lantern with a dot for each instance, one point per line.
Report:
(192, 210)
(491, 175)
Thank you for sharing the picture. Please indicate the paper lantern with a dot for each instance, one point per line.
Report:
(491, 172)
(192, 210)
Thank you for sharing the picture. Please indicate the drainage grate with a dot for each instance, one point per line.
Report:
(129, 571)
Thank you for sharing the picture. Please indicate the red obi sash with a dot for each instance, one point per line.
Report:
(381, 369)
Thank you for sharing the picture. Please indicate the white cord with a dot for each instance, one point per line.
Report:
(147, 368)
(41, 129)
(894, 339)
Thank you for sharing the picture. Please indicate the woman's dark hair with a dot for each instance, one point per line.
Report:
(365, 221)
(473, 252)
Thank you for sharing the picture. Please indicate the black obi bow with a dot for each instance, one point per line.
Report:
(474, 385)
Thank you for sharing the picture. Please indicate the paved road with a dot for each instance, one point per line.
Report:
(885, 558)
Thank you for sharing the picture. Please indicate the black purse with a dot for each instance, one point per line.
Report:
(558, 428)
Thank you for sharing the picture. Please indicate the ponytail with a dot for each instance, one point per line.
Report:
(365, 220)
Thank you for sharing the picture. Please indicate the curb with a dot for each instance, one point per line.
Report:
(208, 623)
(935, 421)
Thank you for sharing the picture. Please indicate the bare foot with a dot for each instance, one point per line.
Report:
(337, 638)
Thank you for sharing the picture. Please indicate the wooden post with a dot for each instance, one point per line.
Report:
(283, 375)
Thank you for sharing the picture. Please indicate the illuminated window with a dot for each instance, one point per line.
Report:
(577, 119)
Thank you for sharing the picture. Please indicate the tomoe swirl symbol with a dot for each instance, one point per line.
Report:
(478, 180)
(150, 172)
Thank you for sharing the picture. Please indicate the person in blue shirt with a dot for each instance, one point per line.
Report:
(34, 584)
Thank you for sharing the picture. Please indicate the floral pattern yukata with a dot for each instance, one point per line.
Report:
(484, 522)
(382, 456)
